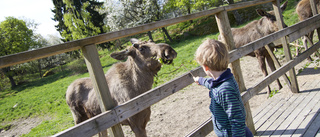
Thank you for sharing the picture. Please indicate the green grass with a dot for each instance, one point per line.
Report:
(45, 98)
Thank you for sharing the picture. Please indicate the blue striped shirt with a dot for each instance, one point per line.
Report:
(226, 105)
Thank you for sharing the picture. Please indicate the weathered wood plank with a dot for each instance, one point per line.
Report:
(314, 126)
(266, 109)
(155, 95)
(303, 31)
(305, 112)
(23, 57)
(264, 123)
(277, 64)
(91, 56)
(304, 125)
(92, 126)
(254, 45)
(274, 126)
(227, 38)
(261, 124)
(294, 83)
(261, 110)
(247, 4)
(204, 129)
(294, 114)
(291, 113)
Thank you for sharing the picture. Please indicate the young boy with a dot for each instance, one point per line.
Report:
(228, 113)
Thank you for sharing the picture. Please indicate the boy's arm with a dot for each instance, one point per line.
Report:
(207, 82)
(234, 109)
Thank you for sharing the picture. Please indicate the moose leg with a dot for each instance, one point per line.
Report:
(273, 68)
(103, 133)
(305, 44)
(262, 63)
(139, 121)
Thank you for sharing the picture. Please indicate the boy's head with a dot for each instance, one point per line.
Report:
(214, 54)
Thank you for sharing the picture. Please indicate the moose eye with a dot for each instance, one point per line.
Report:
(142, 48)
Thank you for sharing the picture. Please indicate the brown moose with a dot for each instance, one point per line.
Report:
(304, 12)
(255, 30)
(126, 80)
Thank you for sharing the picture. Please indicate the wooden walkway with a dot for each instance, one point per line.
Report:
(292, 114)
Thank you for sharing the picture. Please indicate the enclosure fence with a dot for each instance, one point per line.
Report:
(112, 115)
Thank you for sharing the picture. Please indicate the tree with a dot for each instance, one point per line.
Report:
(83, 19)
(15, 37)
(59, 10)
(78, 19)
(130, 13)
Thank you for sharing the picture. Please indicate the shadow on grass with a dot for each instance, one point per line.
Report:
(42, 81)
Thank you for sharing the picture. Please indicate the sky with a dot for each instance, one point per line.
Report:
(37, 10)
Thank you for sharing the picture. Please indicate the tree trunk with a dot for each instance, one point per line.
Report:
(236, 13)
(189, 12)
(6, 72)
(167, 34)
(150, 36)
(237, 17)
(39, 67)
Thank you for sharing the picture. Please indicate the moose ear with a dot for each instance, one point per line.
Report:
(134, 40)
(135, 45)
(262, 12)
(121, 55)
(284, 6)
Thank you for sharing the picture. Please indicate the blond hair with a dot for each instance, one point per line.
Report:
(213, 54)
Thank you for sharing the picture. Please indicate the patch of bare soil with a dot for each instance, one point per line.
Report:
(20, 127)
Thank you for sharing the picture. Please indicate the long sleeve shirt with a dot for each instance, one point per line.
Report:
(226, 105)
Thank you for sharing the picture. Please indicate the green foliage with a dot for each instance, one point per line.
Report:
(15, 36)
(273, 92)
(79, 19)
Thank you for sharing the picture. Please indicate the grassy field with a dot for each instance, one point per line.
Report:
(45, 98)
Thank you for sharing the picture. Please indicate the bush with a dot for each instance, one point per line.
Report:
(77, 66)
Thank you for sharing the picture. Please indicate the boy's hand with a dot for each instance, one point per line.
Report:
(196, 80)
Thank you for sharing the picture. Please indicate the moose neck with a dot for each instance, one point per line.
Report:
(140, 71)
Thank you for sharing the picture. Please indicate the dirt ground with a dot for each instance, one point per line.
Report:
(178, 114)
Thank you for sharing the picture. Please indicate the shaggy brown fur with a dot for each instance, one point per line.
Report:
(126, 80)
(255, 30)
(304, 12)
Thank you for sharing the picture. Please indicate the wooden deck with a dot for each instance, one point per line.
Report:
(292, 114)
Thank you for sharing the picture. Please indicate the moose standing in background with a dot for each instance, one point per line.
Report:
(255, 30)
(125, 80)
(304, 12)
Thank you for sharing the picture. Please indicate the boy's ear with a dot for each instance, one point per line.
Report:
(206, 67)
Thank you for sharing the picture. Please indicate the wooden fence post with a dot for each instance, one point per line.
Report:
(286, 48)
(227, 38)
(91, 57)
(315, 12)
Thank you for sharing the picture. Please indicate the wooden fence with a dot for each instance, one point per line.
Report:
(112, 115)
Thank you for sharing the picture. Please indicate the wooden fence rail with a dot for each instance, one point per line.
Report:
(26, 56)
(114, 116)
(124, 111)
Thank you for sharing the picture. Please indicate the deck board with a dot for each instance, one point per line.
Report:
(292, 115)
